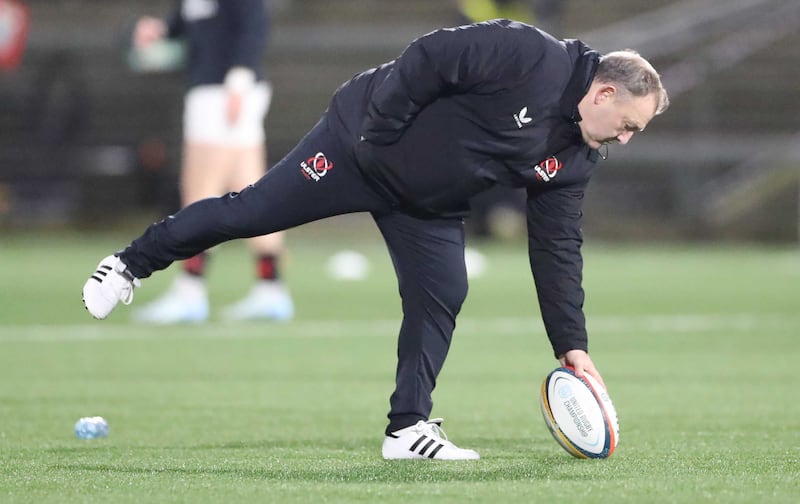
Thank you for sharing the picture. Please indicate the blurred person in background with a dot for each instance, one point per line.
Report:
(545, 14)
(459, 111)
(224, 145)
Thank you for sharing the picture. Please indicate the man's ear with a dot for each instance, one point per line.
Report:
(604, 92)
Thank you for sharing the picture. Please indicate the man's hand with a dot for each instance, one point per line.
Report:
(148, 30)
(582, 363)
(238, 82)
(233, 108)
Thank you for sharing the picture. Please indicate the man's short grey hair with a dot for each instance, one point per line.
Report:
(627, 68)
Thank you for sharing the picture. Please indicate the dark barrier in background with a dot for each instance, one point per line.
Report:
(722, 163)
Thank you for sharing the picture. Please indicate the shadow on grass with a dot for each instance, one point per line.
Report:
(340, 463)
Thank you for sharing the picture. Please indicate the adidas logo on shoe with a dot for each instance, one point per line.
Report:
(424, 440)
(109, 284)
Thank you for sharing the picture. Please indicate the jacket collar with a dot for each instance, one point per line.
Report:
(584, 66)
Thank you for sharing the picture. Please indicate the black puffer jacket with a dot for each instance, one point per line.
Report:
(465, 108)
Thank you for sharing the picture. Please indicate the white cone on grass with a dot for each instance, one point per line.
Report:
(348, 265)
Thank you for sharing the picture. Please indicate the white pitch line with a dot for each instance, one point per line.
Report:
(498, 326)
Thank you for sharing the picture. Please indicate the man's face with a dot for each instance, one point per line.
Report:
(609, 115)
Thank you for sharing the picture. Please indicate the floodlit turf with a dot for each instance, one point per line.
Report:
(699, 347)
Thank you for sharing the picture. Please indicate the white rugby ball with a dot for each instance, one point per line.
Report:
(579, 414)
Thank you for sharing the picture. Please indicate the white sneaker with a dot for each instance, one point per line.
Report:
(108, 285)
(425, 440)
(186, 301)
(267, 300)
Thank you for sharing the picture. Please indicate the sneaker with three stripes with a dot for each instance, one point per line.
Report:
(424, 440)
(109, 284)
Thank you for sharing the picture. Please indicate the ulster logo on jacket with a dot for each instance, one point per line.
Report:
(548, 169)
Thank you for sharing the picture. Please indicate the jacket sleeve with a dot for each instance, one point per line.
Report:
(554, 247)
(252, 26)
(478, 58)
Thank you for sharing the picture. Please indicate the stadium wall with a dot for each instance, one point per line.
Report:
(719, 165)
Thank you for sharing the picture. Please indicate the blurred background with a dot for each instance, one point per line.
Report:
(78, 115)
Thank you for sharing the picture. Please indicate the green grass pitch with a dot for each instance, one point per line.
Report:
(698, 346)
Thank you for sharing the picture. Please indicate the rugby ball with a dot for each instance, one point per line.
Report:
(579, 414)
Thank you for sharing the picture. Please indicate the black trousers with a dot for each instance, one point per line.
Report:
(319, 178)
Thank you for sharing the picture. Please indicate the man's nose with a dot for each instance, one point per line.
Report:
(624, 137)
